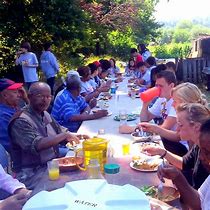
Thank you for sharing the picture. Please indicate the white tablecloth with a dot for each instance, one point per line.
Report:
(120, 100)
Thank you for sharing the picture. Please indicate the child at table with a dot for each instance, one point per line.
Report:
(143, 78)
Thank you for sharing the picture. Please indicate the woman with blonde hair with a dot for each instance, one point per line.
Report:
(190, 117)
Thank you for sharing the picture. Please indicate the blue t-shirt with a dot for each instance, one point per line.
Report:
(49, 64)
(29, 73)
(6, 113)
(65, 106)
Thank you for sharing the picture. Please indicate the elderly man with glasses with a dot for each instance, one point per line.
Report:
(35, 136)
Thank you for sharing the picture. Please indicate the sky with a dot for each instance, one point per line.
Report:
(182, 9)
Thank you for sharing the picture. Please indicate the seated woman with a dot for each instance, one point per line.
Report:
(130, 68)
(145, 53)
(190, 118)
(190, 197)
(87, 89)
(113, 69)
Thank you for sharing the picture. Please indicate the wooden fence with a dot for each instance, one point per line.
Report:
(190, 69)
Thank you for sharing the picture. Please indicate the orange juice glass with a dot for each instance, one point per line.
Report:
(126, 148)
(53, 169)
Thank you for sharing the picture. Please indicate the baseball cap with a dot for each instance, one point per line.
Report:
(73, 73)
(7, 84)
(97, 63)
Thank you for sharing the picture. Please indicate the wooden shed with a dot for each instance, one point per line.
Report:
(201, 47)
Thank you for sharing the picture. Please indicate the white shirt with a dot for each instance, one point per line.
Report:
(146, 77)
(204, 192)
(163, 108)
(86, 87)
(8, 183)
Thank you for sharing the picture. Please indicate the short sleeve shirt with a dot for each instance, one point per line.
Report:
(66, 106)
(204, 193)
(191, 161)
(163, 108)
(29, 73)
(146, 77)
(86, 87)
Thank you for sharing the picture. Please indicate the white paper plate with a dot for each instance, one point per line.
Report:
(146, 170)
(94, 194)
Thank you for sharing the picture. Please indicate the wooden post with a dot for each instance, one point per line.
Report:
(184, 70)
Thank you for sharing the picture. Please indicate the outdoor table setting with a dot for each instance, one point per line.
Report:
(79, 186)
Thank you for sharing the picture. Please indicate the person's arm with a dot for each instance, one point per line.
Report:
(145, 114)
(88, 116)
(170, 157)
(169, 123)
(190, 196)
(89, 96)
(8, 183)
(163, 132)
(28, 138)
(54, 62)
(14, 202)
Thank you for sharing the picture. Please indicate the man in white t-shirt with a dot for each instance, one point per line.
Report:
(162, 108)
(163, 105)
(192, 198)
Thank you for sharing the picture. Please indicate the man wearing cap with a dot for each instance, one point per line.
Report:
(10, 95)
(35, 136)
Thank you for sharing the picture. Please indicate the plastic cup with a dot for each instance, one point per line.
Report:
(53, 169)
(126, 148)
(150, 94)
(133, 94)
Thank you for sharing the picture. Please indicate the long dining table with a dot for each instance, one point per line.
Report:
(119, 101)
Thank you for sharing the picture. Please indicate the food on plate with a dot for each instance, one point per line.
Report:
(167, 195)
(130, 117)
(69, 163)
(146, 163)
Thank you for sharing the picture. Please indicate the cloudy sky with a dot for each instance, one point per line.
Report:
(182, 9)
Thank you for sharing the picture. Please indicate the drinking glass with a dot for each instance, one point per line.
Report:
(123, 116)
(53, 169)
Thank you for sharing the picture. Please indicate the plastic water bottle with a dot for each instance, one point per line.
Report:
(113, 88)
(93, 169)
(111, 172)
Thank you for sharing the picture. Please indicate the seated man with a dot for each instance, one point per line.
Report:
(10, 95)
(18, 191)
(70, 108)
(162, 108)
(35, 136)
(192, 198)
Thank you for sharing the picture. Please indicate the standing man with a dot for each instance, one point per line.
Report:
(49, 65)
(29, 63)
